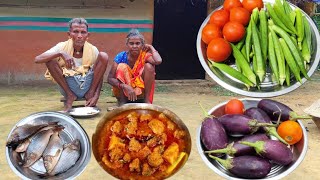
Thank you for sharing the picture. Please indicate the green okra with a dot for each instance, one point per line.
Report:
(248, 41)
(243, 51)
(290, 60)
(294, 40)
(306, 42)
(244, 65)
(261, 66)
(288, 75)
(286, 7)
(276, 19)
(241, 42)
(272, 57)
(293, 49)
(288, 10)
(279, 57)
(255, 15)
(300, 27)
(232, 72)
(263, 33)
(284, 18)
(305, 51)
(292, 16)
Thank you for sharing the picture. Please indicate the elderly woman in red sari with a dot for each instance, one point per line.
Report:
(133, 72)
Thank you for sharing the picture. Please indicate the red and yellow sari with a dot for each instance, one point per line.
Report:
(133, 77)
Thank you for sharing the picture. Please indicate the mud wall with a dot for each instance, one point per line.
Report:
(26, 30)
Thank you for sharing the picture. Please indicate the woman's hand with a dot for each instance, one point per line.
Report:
(148, 48)
(155, 59)
(68, 60)
(129, 91)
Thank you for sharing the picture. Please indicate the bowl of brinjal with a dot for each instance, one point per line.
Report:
(221, 144)
(269, 86)
(48, 145)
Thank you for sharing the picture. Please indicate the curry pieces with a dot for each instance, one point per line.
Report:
(142, 143)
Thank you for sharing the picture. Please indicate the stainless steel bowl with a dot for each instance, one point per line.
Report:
(268, 87)
(138, 106)
(277, 172)
(72, 130)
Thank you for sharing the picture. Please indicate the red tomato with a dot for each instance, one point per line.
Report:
(251, 4)
(233, 31)
(209, 32)
(219, 17)
(234, 106)
(229, 4)
(240, 14)
(218, 50)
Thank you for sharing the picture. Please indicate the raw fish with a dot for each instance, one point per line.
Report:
(20, 133)
(52, 152)
(38, 144)
(69, 157)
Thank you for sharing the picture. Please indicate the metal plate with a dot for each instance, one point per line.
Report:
(84, 112)
(72, 130)
(268, 88)
(277, 172)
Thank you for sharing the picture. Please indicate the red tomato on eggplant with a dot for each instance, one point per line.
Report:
(233, 31)
(229, 4)
(234, 106)
(219, 17)
(209, 32)
(218, 50)
(240, 14)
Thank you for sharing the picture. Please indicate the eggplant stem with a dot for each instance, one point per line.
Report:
(228, 150)
(205, 113)
(225, 163)
(273, 131)
(224, 151)
(295, 116)
(279, 117)
(255, 123)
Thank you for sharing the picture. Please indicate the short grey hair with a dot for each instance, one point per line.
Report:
(135, 33)
(78, 21)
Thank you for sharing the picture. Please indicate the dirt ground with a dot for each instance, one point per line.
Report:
(181, 97)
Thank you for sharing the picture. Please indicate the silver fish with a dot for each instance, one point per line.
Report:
(17, 157)
(38, 144)
(22, 147)
(52, 152)
(20, 133)
(69, 157)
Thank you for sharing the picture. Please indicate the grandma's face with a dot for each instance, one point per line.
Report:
(134, 45)
(79, 34)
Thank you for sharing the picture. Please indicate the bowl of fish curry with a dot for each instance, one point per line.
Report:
(139, 141)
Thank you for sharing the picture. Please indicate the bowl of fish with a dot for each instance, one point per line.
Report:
(141, 141)
(247, 73)
(48, 145)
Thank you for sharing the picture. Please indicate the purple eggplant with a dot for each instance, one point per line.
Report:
(272, 150)
(238, 124)
(246, 166)
(213, 135)
(277, 110)
(261, 116)
(238, 149)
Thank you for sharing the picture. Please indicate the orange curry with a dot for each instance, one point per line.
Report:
(141, 144)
